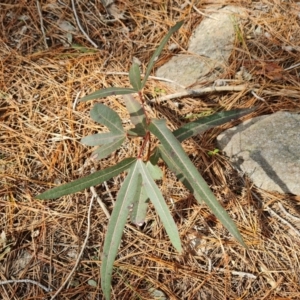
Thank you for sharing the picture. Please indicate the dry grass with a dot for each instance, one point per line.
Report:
(40, 146)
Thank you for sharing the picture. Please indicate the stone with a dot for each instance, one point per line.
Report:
(210, 47)
(266, 148)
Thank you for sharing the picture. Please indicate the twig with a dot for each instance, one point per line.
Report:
(202, 91)
(81, 251)
(26, 281)
(100, 202)
(42, 23)
(80, 27)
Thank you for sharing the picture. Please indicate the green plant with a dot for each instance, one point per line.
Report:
(213, 152)
(139, 185)
(158, 92)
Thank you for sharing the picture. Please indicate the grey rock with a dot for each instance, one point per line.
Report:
(210, 47)
(266, 148)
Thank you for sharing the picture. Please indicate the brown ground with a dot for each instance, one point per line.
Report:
(40, 146)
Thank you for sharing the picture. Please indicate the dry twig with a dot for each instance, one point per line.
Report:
(202, 91)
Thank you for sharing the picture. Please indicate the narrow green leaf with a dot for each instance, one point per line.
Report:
(154, 194)
(137, 115)
(105, 150)
(104, 115)
(112, 91)
(139, 211)
(135, 77)
(88, 181)
(190, 173)
(159, 49)
(102, 138)
(193, 128)
(127, 195)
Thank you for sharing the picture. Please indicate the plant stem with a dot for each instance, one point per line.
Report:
(145, 141)
(147, 137)
(143, 106)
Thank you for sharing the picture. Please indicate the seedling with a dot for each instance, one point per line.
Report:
(158, 91)
(139, 186)
(213, 152)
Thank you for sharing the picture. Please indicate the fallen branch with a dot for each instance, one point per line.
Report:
(203, 91)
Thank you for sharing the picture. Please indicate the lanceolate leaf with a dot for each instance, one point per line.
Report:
(159, 49)
(197, 127)
(138, 215)
(200, 188)
(190, 129)
(139, 211)
(102, 138)
(137, 115)
(105, 150)
(128, 194)
(155, 196)
(104, 115)
(88, 181)
(112, 91)
(135, 77)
